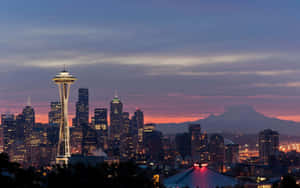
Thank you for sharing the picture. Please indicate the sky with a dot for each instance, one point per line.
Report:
(175, 60)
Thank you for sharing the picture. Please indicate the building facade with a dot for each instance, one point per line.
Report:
(54, 115)
(268, 141)
(216, 151)
(82, 108)
(116, 117)
(198, 143)
(101, 127)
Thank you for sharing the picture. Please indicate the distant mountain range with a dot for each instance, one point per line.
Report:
(236, 119)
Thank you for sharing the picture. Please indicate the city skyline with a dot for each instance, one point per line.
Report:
(158, 60)
(42, 115)
(152, 94)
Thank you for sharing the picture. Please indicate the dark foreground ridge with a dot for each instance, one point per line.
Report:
(103, 175)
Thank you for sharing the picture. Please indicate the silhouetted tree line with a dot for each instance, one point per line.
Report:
(121, 175)
(287, 182)
(11, 175)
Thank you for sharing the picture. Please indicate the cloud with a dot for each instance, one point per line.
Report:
(154, 60)
(288, 84)
(241, 73)
(203, 59)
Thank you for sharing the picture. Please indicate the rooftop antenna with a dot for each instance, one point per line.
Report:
(29, 101)
(7, 111)
(64, 70)
(116, 93)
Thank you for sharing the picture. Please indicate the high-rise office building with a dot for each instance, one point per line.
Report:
(138, 127)
(169, 150)
(20, 150)
(76, 140)
(100, 119)
(1, 139)
(52, 140)
(116, 126)
(125, 123)
(149, 127)
(126, 144)
(54, 115)
(9, 133)
(217, 151)
(139, 116)
(64, 81)
(38, 156)
(101, 127)
(19, 153)
(183, 144)
(232, 153)
(204, 148)
(195, 136)
(268, 144)
(82, 108)
(116, 119)
(154, 148)
(89, 141)
(20, 122)
(29, 122)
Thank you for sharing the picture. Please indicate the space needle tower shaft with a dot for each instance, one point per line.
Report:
(64, 80)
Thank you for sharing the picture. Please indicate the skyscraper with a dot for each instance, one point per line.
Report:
(20, 150)
(89, 141)
(138, 127)
(29, 122)
(169, 150)
(195, 136)
(100, 119)
(76, 140)
(20, 127)
(54, 115)
(100, 125)
(39, 152)
(232, 153)
(82, 107)
(9, 133)
(154, 147)
(64, 81)
(29, 116)
(126, 123)
(116, 112)
(149, 127)
(217, 151)
(268, 144)
(139, 116)
(183, 144)
(126, 138)
(204, 148)
(116, 125)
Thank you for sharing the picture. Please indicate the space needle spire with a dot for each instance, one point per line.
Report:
(64, 80)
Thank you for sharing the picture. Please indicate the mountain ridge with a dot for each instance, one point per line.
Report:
(236, 119)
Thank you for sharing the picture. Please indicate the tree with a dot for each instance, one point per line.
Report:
(288, 182)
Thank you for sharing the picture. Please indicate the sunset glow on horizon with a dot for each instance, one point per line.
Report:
(137, 93)
(43, 118)
(155, 119)
(200, 73)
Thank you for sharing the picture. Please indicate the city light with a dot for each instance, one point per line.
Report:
(154, 94)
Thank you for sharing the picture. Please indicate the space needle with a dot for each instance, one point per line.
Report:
(64, 80)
